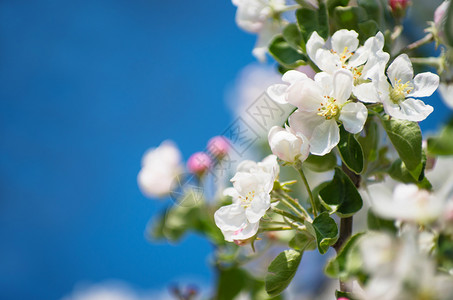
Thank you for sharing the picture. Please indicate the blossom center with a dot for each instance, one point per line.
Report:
(247, 200)
(399, 92)
(344, 56)
(329, 108)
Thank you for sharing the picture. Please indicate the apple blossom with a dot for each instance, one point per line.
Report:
(251, 189)
(199, 163)
(398, 96)
(320, 104)
(219, 146)
(405, 202)
(257, 16)
(446, 93)
(288, 145)
(160, 166)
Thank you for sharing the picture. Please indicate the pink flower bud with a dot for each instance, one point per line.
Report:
(219, 146)
(199, 163)
(398, 4)
(343, 298)
(398, 7)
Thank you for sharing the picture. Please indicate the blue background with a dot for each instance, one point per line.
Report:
(86, 87)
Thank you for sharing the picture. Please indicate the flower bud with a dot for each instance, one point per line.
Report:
(439, 21)
(219, 146)
(199, 163)
(398, 7)
(287, 145)
(343, 298)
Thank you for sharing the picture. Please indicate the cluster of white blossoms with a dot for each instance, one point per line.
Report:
(251, 189)
(350, 76)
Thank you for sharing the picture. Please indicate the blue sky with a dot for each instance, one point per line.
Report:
(87, 87)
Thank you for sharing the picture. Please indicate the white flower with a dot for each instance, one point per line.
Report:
(398, 97)
(320, 104)
(406, 202)
(365, 62)
(288, 145)
(252, 185)
(160, 166)
(257, 16)
(279, 92)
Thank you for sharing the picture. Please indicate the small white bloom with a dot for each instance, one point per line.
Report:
(406, 203)
(160, 166)
(320, 104)
(288, 145)
(398, 97)
(279, 92)
(257, 16)
(252, 185)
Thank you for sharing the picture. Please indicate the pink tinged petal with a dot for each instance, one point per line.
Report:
(342, 85)
(325, 137)
(415, 110)
(258, 207)
(353, 116)
(400, 69)
(306, 95)
(345, 38)
(425, 84)
(244, 233)
(303, 122)
(366, 92)
(315, 42)
(277, 92)
(293, 76)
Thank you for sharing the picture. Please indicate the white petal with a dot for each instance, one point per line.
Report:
(244, 233)
(231, 191)
(325, 81)
(425, 84)
(353, 116)
(345, 39)
(400, 69)
(258, 207)
(415, 110)
(230, 217)
(267, 33)
(246, 166)
(327, 61)
(277, 92)
(248, 182)
(293, 76)
(325, 137)
(305, 122)
(305, 94)
(366, 92)
(446, 91)
(342, 85)
(315, 42)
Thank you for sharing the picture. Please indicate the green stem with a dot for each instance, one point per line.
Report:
(287, 214)
(292, 207)
(307, 186)
(429, 61)
(423, 41)
(276, 228)
(295, 203)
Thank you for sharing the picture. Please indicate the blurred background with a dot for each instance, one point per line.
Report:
(86, 88)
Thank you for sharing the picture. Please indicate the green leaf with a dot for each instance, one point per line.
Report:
(292, 35)
(321, 163)
(338, 266)
(442, 144)
(406, 137)
(282, 51)
(367, 29)
(399, 172)
(349, 17)
(341, 196)
(331, 4)
(281, 271)
(313, 20)
(448, 26)
(303, 241)
(231, 282)
(325, 230)
(350, 151)
(372, 8)
(377, 223)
